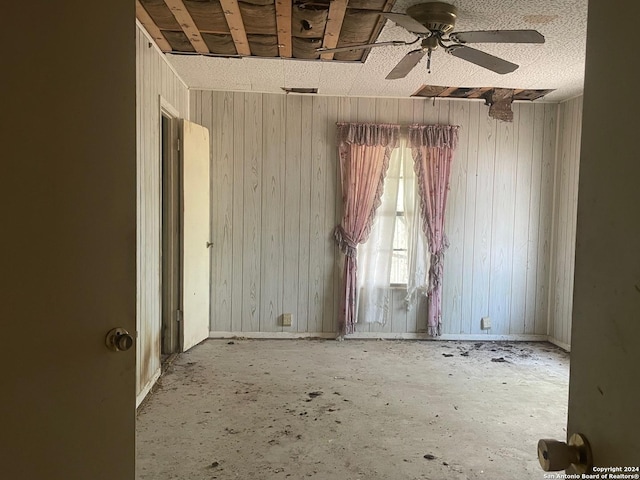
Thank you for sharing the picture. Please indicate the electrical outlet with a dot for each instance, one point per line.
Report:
(485, 323)
(286, 319)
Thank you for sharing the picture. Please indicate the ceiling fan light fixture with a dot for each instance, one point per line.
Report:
(436, 16)
(433, 23)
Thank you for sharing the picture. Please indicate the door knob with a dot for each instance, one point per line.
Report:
(119, 340)
(554, 455)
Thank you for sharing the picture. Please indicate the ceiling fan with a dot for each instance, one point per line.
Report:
(433, 23)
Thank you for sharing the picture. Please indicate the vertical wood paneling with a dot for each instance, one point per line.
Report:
(237, 245)
(304, 268)
(154, 79)
(521, 221)
(366, 110)
(454, 224)
(430, 112)
(483, 219)
(502, 223)
(252, 212)
(272, 205)
(564, 226)
(535, 201)
(285, 200)
(469, 227)
(319, 210)
(292, 193)
(547, 208)
(220, 113)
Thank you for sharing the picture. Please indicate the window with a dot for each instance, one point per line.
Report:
(394, 256)
(385, 255)
(400, 247)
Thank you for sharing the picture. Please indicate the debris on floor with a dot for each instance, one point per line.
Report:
(331, 410)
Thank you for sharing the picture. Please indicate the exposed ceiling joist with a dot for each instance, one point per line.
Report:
(236, 26)
(337, 10)
(151, 27)
(448, 91)
(378, 28)
(479, 92)
(183, 17)
(283, 20)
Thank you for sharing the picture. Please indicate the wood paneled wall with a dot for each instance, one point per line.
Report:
(154, 79)
(275, 194)
(564, 224)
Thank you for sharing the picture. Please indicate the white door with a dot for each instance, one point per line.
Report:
(68, 256)
(194, 147)
(604, 391)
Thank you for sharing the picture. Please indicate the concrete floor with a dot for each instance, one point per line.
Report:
(278, 409)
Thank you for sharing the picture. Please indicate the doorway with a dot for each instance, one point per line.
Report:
(170, 252)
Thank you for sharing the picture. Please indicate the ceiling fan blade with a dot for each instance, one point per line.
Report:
(407, 22)
(498, 36)
(407, 63)
(482, 59)
(361, 47)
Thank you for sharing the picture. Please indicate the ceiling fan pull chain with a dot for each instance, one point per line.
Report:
(429, 61)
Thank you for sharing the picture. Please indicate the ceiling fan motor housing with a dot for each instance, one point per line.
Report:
(436, 16)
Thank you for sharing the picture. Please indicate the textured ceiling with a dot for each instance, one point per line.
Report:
(558, 64)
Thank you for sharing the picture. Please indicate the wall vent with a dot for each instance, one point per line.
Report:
(299, 90)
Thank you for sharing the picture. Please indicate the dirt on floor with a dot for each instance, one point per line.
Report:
(367, 410)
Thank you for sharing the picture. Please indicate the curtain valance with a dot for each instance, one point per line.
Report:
(370, 134)
(433, 136)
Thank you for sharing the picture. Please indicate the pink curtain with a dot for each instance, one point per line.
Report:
(364, 151)
(433, 147)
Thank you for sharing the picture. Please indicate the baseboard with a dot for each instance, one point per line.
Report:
(447, 336)
(271, 335)
(147, 388)
(380, 335)
(558, 343)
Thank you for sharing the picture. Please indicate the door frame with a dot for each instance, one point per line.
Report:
(170, 230)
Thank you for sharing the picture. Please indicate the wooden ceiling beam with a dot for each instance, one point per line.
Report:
(448, 91)
(283, 20)
(152, 29)
(478, 92)
(236, 26)
(378, 28)
(183, 17)
(337, 10)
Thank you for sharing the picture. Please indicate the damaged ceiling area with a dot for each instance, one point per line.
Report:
(271, 46)
(264, 28)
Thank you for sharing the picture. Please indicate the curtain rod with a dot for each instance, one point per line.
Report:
(404, 128)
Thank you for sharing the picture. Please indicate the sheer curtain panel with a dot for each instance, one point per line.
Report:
(386, 262)
(364, 151)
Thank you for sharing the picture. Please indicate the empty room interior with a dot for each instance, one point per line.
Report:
(456, 381)
(330, 239)
(356, 238)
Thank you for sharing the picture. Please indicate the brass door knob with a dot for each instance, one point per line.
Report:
(119, 340)
(554, 455)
